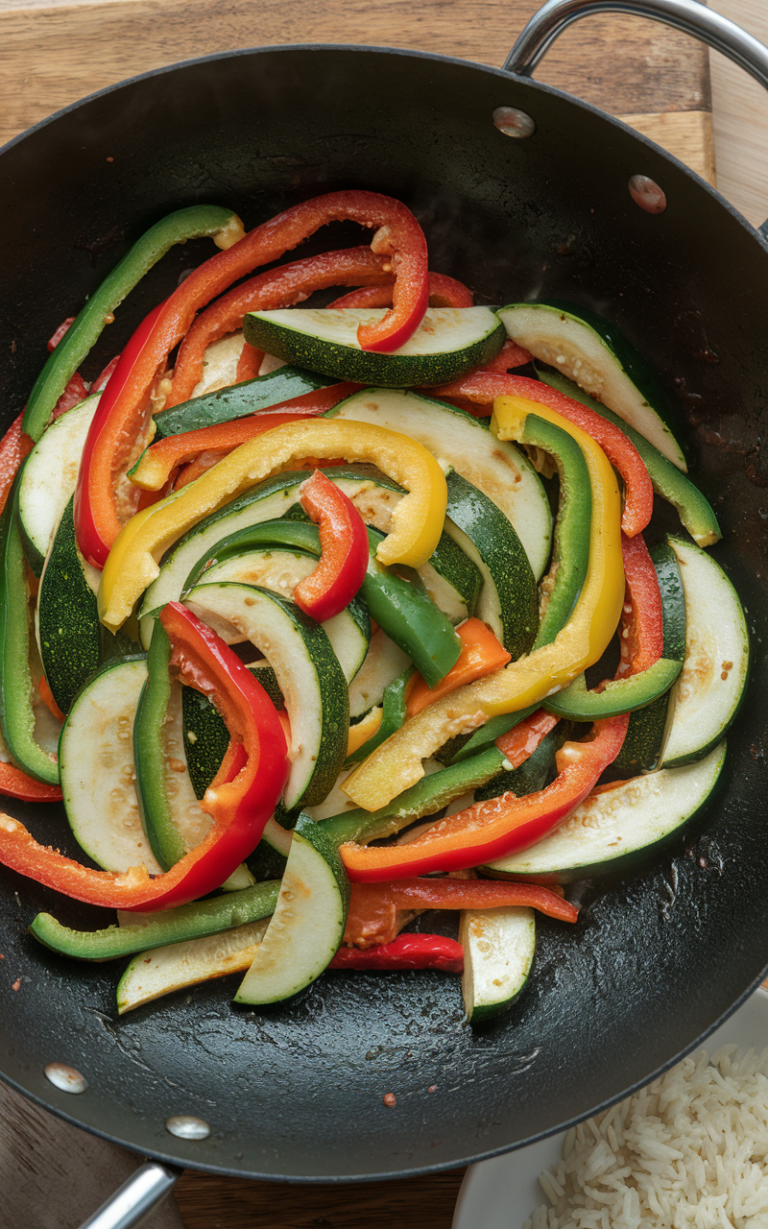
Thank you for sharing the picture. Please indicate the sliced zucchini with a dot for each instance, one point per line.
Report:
(460, 442)
(248, 397)
(49, 479)
(508, 601)
(220, 362)
(711, 686)
(449, 342)
(178, 966)
(619, 826)
(589, 350)
(384, 662)
(97, 771)
(499, 947)
(281, 570)
(307, 926)
(308, 673)
(694, 510)
(68, 629)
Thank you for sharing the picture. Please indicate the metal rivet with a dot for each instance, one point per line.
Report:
(647, 194)
(514, 122)
(66, 1078)
(187, 1127)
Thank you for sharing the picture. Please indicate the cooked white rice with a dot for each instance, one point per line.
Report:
(690, 1151)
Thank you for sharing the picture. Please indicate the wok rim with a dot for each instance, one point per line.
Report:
(755, 234)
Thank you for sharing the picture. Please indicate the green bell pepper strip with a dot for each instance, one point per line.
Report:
(195, 921)
(402, 608)
(392, 716)
(693, 508)
(17, 715)
(149, 754)
(192, 223)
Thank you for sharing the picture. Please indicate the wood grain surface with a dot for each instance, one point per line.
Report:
(53, 52)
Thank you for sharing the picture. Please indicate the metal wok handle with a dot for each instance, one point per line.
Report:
(686, 15)
(136, 1198)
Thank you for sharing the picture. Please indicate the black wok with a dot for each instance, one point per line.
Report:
(660, 956)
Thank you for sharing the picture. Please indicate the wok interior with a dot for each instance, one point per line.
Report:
(659, 955)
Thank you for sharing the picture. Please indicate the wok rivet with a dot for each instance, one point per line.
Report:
(185, 1126)
(513, 122)
(647, 194)
(66, 1078)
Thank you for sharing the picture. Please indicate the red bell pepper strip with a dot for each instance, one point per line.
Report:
(522, 740)
(492, 829)
(239, 804)
(344, 550)
(16, 784)
(90, 497)
(249, 363)
(398, 236)
(283, 287)
(510, 355)
(481, 388)
(444, 291)
(15, 447)
(101, 381)
(405, 952)
(482, 653)
(641, 634)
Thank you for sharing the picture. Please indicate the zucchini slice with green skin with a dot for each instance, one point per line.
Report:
(499, 947)
(460, 442)
(589, 350)
(709, 691)
(449, 342)
(49, 479)
(641, 749)
(151, 930)
(97, 769)
(618, 828)
(181, 965)
(17, 711)
(308, 672)
(693, 508)
(307, 926)
(68, 628)
(237, 401)
(280, 571)
(508, 601)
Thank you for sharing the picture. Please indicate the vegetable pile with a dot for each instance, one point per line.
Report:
(288, 622)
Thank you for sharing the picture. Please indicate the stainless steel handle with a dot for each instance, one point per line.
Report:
(136, 1198)
(686, 15)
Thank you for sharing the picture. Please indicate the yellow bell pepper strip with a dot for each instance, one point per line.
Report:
(479, 833)
(397, 763)
(417, 521)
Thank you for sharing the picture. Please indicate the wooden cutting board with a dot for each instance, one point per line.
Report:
(53, 52)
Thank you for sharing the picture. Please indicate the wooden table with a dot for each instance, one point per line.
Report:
(55, 51)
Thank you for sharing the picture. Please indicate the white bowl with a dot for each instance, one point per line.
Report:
(503, 1192)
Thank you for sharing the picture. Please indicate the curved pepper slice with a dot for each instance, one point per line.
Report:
(343, 550)
(282, 287)
(497, 827)
(15, 447)
(16, 784)
(240, 804)
(74, 344)
(405, 952)
(417, 519)
(398, 235)
(444, 291)
(397, 764)
(373, 906)
(481, 653)
(481, 387)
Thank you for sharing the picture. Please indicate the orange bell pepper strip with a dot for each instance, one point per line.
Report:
(16, 784)
(241, 798)
(444, 291)
(481, 654)
(482, 387)
(405, 952)
(499, 826)
(398, 236)
(282, 287)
